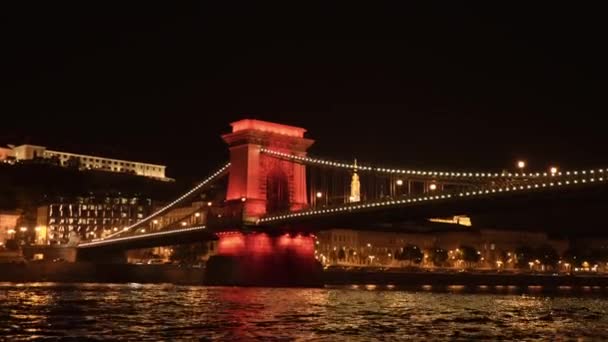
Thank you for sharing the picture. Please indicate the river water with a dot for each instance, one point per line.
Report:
(137, 312)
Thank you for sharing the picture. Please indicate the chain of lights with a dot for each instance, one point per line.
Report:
(142, 236)
(419, 173)
(159, 212)
(441, 196)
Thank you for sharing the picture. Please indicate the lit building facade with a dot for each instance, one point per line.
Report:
(90, 217)
(82, 161)
(496, 248)
(193, 215)
(8, 225)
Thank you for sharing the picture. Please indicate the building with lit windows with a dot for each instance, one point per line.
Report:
(376, 248)
(8, 225)
(91, 217)
(81, 161)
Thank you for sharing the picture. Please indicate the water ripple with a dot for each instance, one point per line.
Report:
(167, 312)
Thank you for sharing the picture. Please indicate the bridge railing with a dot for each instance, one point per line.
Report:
(596, 178)
(423, 174)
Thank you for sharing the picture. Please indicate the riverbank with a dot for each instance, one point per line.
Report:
(83, 272)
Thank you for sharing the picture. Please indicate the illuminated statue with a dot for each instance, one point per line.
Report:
(355, 186)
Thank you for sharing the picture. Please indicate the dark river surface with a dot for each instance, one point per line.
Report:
(81, 312)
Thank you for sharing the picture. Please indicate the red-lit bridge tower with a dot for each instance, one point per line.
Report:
(261, 184)
(266, 184)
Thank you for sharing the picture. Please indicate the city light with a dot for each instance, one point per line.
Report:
(553, 170)
(209, 179)
(184, 224)
(433, 187)
(399, 182)
(319, 194)
(243, 199)
(521, 164)
(23, 229)
(155, 221)
(197, 215)
(209, 204)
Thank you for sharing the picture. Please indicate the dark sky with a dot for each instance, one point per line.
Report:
(447, 87)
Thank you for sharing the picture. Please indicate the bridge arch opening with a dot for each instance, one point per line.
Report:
(277, 191)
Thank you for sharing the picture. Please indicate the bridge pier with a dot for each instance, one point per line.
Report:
(261, 259)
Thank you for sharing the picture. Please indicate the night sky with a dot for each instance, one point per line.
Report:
(449, 87)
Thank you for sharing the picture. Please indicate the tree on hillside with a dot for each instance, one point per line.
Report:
(438, 256)
(547, 256)
(523, 256)
(469, 255)
(411, 254)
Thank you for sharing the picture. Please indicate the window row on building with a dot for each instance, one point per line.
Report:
(82, 161)
(90, 217)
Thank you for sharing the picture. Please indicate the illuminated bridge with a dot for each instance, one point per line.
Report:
(277, 196)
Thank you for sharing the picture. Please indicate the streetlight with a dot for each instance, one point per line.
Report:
(553, 170)
(521, 165)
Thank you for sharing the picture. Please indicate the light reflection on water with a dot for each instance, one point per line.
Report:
(169, 312)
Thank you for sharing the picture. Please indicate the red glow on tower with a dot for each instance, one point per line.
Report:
(267, 184)
(265, 126)
(231, 243)
(256, 244)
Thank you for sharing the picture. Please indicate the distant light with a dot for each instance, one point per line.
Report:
(115, 229)
(143, 230)
(369, 245)
(184, 224)
(243, 199)
(155, 221)
(11, 231)
(319, 194)
(433, 187)
(521, 164)
(553, 170)
(197, 214)
(399, 182)
(209, 204)
(23, 229)
(38, 229)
